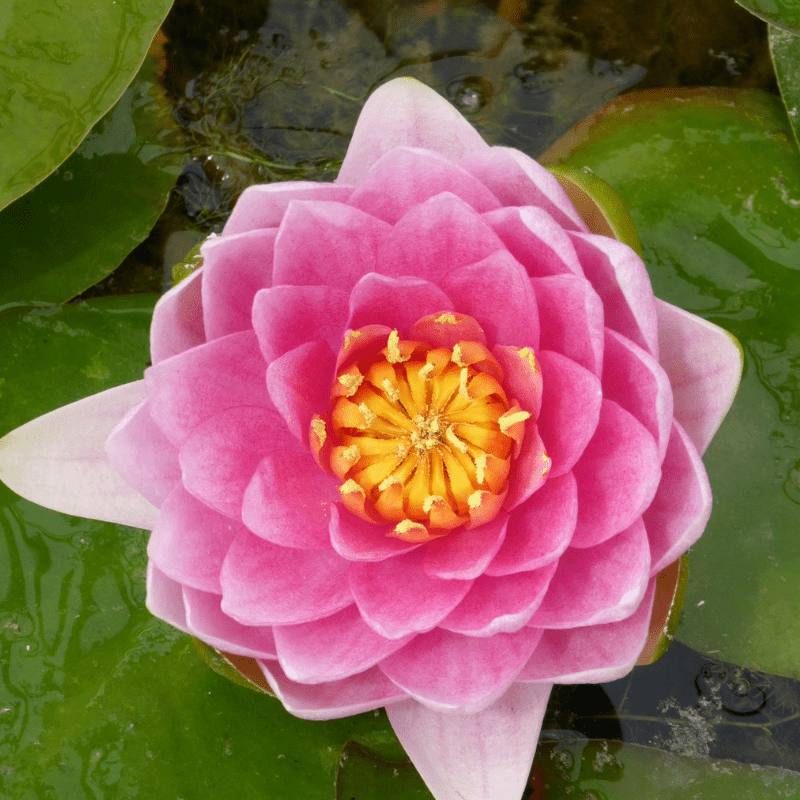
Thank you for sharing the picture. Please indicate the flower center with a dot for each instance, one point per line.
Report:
(423, 434)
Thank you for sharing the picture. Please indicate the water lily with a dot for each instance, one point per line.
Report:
(418, 439)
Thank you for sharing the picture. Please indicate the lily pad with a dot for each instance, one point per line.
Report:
(63, 65)
(76, 227)
(785, 50)
(712, 181)
(783, 13)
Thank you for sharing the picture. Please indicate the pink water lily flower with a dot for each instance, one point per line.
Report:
(415, 439)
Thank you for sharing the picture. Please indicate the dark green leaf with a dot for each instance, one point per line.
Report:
(785, 50)
(783, 13)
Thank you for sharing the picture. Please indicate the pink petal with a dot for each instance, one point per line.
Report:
(394, 302)
(190, 541)
(334, 699)
(536, 240)
(284, 317)
(522, 377)
(572, 315)
(358, 540)
(483, 756)
(571, 401)
(466, 553)
(635, 380)
(186, 390)
(142, 455)
(595, 654)
(205, 620)
(263, 584)
(263, 205)
(299, 383)
(326, 243)
(396, 597)
(234, 269)
(704, 364)
(478, 669)
(165, 598)
(597, 584)
(332, 648)
(406, 113)
(540, 530)
(58, 460)
(498, 292)
(530, 470)
(288, 501)
(619, 276)
(178, 319)
(415, 175)
(220, 457)
(682, 505)
(500, 605)
(617, 476)
(436, 236)
(518, 180)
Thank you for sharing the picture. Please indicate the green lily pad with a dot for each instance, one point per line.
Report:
(712, 181)
(784, 48)
(63, 65)
(76, 227)
(783, 13)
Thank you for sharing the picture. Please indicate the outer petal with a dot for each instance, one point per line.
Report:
(404, 112)
(58, 460)
(704, 364)
(485, 756)
(263, 584)
(186, 390)
(263, 205)
(332, 648)
(143, 456)
(190, 541)
(165, 598)
(333, 699)
(682, 505)
(396, 597)
(594, 654)
(284, 317)
(235, 268)
(518, 180)
(599, 584)
(326, 243)
(479, 669)
(178, 319)
(415, 175)
(205, 620)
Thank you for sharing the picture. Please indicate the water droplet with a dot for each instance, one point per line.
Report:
(470, 94)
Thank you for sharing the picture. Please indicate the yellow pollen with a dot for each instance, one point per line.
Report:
(406, 525)
(351, 454)
(508, 420)
(480, 468)
(349, 337)
(430, 501)
(318, 426)
(462, 383)
(391, 392)
(426, 372)
(446, 319)
(475, 499)
(351, 382)
(526, 354)
(387, 483)
(393, 347)
(369, 415)
(351, 487)
(451, 437)
(458, 356)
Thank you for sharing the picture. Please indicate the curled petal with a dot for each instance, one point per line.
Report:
(284, 317)
(396, 597)
(234, 269)
(704, 364)
(682, 505)
(486, 755)
(178, 319)
(593, 654)
(263, 205)
(59, 461)
(326, 244)
(206, 621)
(479, 669)
(599, 584)
(334, 699)
(405, 113)
(332, 648)
(190, 541)
(165, 598)
(416, 175)
(617, 476)
(263, 584)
